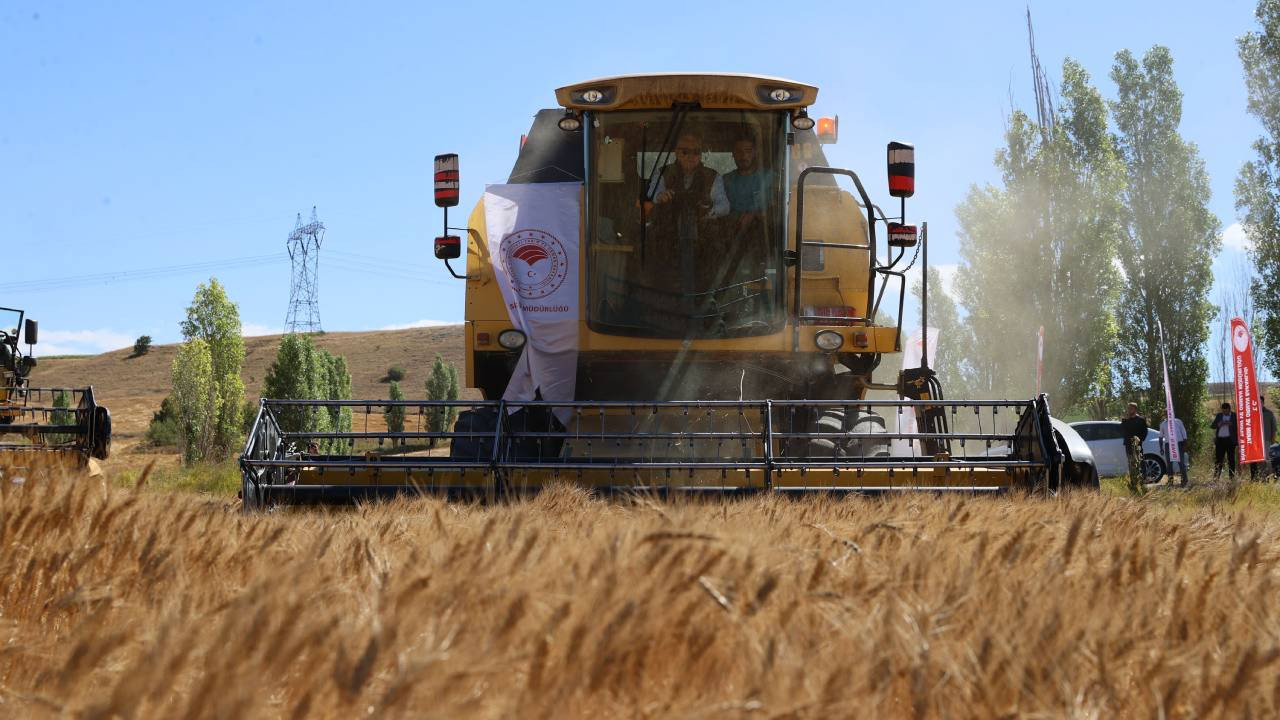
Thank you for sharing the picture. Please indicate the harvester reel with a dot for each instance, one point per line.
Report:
(101, 441)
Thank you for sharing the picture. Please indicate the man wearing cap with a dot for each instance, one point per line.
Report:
(1134, 428)
(1224, 441)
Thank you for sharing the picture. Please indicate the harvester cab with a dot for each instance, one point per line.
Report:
(674, 291)
(60, 427)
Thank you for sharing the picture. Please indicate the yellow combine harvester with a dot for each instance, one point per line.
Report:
(674, 293)
(44, 427)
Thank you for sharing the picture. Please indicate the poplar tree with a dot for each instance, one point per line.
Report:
(442, 384)
(194, 396)
(1038, 250)
(1258, 185)
(213, 318)
(1170, 238)
(394, 414)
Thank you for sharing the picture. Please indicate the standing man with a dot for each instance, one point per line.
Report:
(1179, 435)
(1268, 439)
(1134, 427)
(1224, 441)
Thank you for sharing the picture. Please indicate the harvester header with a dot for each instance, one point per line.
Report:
(61, 427)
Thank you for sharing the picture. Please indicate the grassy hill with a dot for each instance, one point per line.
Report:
(133, 387)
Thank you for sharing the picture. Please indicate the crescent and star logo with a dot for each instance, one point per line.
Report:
(535, 261)
(1240, 338)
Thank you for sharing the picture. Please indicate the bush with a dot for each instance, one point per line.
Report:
(163, 430)
(142, 346)
(395, 373)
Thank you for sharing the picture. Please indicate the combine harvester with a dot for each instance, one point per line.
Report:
(673, 294)
(43, 428)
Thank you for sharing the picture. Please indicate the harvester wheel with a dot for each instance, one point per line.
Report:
(250, 498)
(1074, 474)
(868, 422)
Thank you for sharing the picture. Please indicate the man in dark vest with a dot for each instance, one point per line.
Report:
(1224, 441)
(688, 195)
(1134, 429)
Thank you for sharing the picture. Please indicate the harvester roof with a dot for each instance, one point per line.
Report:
(709, 90)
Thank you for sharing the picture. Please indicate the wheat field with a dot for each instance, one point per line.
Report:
(121, 602)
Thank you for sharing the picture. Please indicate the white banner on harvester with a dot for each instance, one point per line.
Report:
(912, 353)
(533, 240)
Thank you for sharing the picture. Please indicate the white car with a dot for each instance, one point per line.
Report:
(1106, 440)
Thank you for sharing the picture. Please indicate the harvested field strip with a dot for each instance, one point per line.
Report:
(136, 603)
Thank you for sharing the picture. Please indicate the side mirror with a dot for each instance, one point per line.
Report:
(902, 236)
(828, 130)
(902, 169)
(29, 331)
(447, 180)
(448, 247)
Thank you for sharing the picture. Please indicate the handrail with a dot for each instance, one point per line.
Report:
(800, 243)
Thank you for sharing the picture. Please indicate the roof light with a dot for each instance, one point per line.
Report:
(828, 130)
(800, 120)
(828, 340)
(571, 122)
(594, 96)
(511, 339)
(780, 95)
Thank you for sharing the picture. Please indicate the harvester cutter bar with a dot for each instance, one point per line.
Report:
(696, 446)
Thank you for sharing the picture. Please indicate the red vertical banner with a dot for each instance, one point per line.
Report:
(1039, 358)
(1248, 409)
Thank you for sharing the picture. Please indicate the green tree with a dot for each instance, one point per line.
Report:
(301, 371)
(195, 398)
(62, 415)
(142, 345)
(1258, 185)
(442, 384)
(1039, 250)
(394, 414)
(1170, 238)
(213, 318)
(337, 386)
(291, 376)
(954, 338)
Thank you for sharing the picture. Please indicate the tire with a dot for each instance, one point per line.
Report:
(250, 499)
(868, 422)
(823, 449)
(1074, 474)
(1153, 468)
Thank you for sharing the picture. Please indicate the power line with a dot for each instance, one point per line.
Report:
(122, 276)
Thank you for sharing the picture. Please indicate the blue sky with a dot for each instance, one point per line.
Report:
(154, 135)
